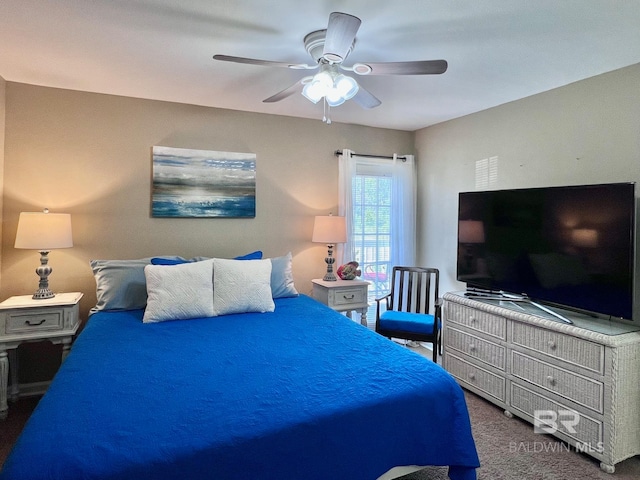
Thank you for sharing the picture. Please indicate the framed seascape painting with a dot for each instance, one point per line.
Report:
(203, 183)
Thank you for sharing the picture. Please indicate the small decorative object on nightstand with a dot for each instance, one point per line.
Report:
(23, 319)
(349, 271)
(343, 296)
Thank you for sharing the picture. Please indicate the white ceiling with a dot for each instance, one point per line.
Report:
(498, 50)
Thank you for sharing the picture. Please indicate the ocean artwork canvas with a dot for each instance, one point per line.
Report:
(203, 183)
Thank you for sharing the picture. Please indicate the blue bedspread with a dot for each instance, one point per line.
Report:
(301, 393)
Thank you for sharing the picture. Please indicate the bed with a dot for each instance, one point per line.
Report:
(299, 392)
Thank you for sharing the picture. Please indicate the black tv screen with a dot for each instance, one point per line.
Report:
(570, 246)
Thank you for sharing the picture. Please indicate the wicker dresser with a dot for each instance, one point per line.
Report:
(579, 382)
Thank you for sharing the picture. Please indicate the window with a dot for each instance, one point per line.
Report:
(378, 199)
(371, 230)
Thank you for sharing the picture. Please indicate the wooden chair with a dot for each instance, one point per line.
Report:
(413, 307)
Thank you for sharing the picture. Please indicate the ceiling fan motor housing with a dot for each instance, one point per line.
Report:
(314, 44)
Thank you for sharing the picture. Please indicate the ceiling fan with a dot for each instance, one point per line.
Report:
(329, 49)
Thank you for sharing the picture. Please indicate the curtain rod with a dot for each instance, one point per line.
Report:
(339, 152)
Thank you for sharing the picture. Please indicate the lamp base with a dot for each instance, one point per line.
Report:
(330, 276)
(43, 271)
(43, 294)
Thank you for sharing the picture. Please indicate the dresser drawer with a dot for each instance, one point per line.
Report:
(484, 322)
(570, 349)
(348, 296)
(33, 320)
(475, 347)
(576, 388)
(470, 374)
(575, 425)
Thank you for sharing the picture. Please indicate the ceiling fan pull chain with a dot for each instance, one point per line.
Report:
(326, 118)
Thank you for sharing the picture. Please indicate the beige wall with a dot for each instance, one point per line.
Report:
(586, 132)
(3, 85)
(90, 155)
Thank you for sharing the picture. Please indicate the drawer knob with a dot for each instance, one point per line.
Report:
(35, 324)
(472, 376)
(551, 380)
(350, 297)
(552, 344)
(472, 319)
(472, 347)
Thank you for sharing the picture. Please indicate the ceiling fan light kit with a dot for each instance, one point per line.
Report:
(331, 85)
(328, 49)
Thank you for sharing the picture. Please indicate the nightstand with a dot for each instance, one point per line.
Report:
(343, 296)
(23, 319)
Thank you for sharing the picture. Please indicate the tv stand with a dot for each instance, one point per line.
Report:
(534, 368)
(551, 312)
(514, 298)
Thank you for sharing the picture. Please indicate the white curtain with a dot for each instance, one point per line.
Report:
(346, 172)
(403, 201)
(403, 227)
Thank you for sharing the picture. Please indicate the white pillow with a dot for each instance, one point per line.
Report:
(282, 277)
(241, 286)
(178, 292)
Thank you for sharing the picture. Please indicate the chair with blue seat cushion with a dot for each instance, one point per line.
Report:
(412, 310)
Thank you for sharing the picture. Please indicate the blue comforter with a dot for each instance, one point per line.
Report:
(300, 393)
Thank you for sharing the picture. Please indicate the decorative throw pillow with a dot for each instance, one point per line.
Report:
(282, 277)
(178, 292)
(120, 284)
(241, 286)
(257, 255)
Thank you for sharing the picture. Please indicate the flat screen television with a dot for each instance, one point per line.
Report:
(567, 246)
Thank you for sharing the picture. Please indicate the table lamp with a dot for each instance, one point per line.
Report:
(44, 231)
(330, 230)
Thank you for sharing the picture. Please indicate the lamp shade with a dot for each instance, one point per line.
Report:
(585, 237)
(471, 231)
(329, 229)
(44, 231)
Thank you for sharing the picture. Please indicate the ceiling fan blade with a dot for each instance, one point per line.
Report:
(266, 63)
(366, 99)
(422, 67)
(341, 32)
(287, 92)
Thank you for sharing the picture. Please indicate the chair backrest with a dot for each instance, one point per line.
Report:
(414, 289)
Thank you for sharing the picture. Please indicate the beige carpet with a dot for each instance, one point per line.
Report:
(509, 449)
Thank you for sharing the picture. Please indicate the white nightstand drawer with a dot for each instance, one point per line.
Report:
(34, 321)
(578, 426)
(348, 296)
(483, 350)
(25, 319)
(476, 319)
(343, 296)
(568, 348)
(480, 378)
(577, 388)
